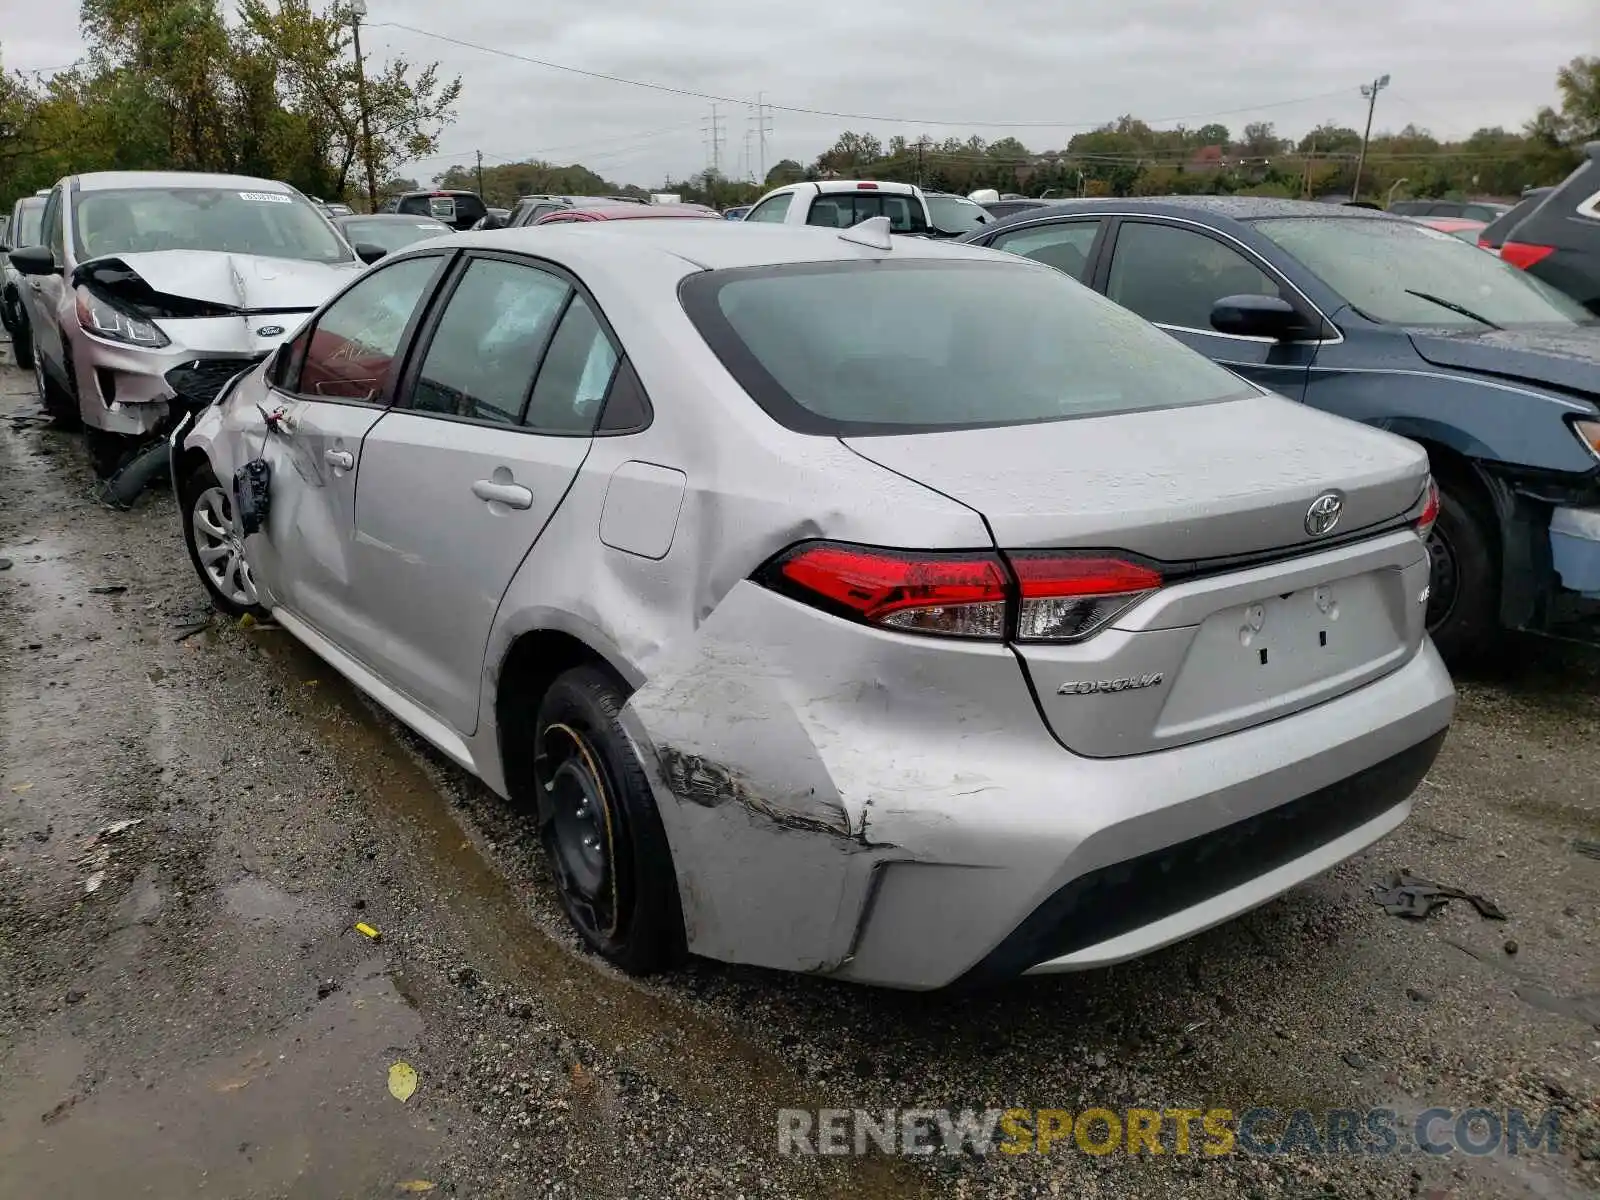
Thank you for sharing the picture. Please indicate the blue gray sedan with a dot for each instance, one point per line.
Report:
(1388, 322)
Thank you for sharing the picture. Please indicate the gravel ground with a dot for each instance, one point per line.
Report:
(186, 1008)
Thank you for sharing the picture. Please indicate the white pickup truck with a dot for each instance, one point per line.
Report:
(842, 203)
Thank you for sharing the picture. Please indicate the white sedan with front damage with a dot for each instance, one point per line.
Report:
(896, 611)
(150, 289)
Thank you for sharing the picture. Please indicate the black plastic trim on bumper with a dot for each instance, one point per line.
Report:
(1125, 896)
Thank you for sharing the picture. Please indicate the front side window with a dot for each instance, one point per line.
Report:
(1064, 246)
(1174, 276)
(1404, 273)
(842, 210)
(353, 345)
(576, 373)
(773, 210)
(489, 341)
(229, 220)
(875, 346)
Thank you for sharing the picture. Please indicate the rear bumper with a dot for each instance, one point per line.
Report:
(890, 811)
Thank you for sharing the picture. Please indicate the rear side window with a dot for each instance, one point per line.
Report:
(1173, 276)
(841, 210)
(874, 346)
(481, 360)
(575, 376)
(773, 210)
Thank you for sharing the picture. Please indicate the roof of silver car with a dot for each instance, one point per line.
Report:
(96, 181)
(718, 245)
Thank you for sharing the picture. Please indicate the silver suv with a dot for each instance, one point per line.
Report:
(151, 289)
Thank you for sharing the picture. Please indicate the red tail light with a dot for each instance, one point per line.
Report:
(1525, 254)
(1430, 511)
(1056, 597)
(867, 187)
(1065, 598)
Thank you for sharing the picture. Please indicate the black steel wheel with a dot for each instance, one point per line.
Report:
(600, 828)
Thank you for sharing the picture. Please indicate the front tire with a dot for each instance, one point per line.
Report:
(600, 828)
(22, 343)
(214, 549)
(61, 404)
(1463, 578)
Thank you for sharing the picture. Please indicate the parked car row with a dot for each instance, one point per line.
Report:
(689, 537)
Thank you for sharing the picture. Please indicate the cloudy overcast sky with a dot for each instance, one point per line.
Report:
(1046, 67)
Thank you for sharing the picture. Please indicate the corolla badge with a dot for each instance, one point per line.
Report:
(1324, 513)
(270, 331)
(1090, 687)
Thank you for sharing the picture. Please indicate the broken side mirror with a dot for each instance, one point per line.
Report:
(368, 253)
(35, 260)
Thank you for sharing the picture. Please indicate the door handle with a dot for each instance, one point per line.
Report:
(512, 495)
(343, 460)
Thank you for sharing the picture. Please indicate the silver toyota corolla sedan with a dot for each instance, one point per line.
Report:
(152, 288)
(886, 609)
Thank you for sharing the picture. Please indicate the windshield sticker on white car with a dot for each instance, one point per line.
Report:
(266, 197)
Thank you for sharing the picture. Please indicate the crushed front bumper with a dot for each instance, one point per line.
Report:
(139, 391)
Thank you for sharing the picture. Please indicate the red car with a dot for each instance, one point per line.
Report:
(625, 212)
(1462, 227)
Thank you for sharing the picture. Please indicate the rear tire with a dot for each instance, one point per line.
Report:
(207, 511)
(600, 828)
(1463, 579)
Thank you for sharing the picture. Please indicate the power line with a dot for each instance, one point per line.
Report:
(849, 116)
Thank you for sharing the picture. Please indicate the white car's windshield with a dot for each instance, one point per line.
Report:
(392, 234)
(30, 223)
(1408, 274)
(228, 220)
(956, 214)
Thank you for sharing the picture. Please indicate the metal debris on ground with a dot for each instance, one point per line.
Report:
(416, 1185)
(92, 884)
(113, 589)
(119, 827)
(368, 931)
(1407, 896)
(1587, 848)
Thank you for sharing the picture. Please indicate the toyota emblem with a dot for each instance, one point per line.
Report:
(1324, 513)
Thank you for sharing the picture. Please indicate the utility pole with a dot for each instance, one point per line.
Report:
(763, 127)
(714, 137)
(480, 172)
(358, 9)
(1370, 91)
(1311, 158)
(921, 145)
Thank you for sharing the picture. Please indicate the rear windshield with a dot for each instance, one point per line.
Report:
(392, 235)
(871, 346)
(227, 220)
(841, 210)
(956, 214)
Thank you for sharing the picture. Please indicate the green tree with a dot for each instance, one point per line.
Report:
(1579, 85)
(784, 172)
(407, 106)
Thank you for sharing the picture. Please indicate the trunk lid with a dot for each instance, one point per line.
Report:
(1561, 356)
(1220, 646)
(1207, 481)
